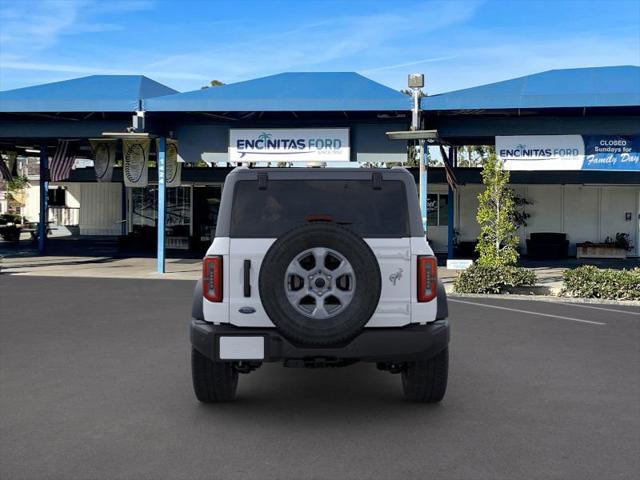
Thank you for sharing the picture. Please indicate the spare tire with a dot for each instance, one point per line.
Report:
(320, 284)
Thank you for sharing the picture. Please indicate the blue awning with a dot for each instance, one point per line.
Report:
(96, 93)
(288, 92)
(571, 88)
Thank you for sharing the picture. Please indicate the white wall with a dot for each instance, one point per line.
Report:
(32, 198)
(100, 208)
(581, 216)
(466, 209)
(73, 195)
(32, 202)
(546, 211)
(583, 212)
(437, 235)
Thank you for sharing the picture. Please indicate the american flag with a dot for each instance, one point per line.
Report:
(451, 175)
(62, 161)
(4, 170)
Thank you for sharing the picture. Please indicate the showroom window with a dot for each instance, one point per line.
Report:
(144, 214)
(437, 210)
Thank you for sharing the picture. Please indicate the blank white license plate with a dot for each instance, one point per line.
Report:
(241, 348)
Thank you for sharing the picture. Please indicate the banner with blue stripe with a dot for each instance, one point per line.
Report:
(611, 152)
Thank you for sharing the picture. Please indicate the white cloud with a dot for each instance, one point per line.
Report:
(46, 21)
(88, 70)
(408, 64)
(30, 27)
(315, 45)
(351, 42)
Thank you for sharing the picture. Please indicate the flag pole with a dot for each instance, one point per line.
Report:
(416, 82)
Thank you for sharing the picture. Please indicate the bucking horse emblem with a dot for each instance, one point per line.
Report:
(394, 277)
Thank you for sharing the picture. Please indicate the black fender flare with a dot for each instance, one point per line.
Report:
(443, 305)
(196, 303)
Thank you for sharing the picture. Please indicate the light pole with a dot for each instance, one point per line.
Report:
(416, 83)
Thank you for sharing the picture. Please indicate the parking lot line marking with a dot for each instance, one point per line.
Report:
(528, 311)
(597, 308)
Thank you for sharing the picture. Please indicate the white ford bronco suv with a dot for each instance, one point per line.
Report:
(319, 267)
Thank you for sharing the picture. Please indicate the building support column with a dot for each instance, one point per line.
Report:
(123, 211)
(453, 158)
(423, 156)
(162, 190)
(44, 199)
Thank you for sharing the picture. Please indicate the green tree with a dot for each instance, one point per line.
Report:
(15, 194)
(412, 158)
(474, 155)
(497, 241)
(213, 83)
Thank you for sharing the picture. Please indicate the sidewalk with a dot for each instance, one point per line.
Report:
(100, 267)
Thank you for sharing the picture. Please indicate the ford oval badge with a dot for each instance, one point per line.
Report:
(247, 310)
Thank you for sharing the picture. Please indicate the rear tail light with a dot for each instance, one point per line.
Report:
(427, 278)
(212, 278)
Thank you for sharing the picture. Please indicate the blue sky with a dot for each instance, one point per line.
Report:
(184, 44)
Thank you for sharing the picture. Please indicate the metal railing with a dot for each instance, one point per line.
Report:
(64, 215)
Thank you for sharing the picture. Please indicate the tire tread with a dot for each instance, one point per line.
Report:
(425, 381)
(213, 382)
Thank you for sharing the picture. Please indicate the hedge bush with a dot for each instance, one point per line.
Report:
(493, 279)
(592, 282)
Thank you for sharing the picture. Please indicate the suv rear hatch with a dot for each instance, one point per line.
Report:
(375, 209)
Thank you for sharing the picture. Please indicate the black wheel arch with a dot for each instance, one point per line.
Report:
(196, 302)
(443, 305)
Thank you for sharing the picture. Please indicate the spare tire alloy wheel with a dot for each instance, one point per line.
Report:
(320, 283)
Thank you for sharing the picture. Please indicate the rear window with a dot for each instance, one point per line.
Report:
(285, 204)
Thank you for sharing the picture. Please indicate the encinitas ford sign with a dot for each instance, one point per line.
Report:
(569, 152)
(289, 145)
(541, 152)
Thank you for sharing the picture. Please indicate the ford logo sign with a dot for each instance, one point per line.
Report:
(247, 310)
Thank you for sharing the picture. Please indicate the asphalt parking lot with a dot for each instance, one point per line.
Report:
(95, 384)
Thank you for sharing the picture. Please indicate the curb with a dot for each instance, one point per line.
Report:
(536, 290)
(547, 298)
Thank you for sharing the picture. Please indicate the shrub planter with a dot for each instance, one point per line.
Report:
(599, 250)
(592, 282)
(531, 290)
(494, 279)
(10, 233)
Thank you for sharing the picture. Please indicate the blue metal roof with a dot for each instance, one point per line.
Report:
(577, 87)
(307, 91)
(96, 93)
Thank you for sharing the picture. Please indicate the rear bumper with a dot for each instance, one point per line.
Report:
(412, 342)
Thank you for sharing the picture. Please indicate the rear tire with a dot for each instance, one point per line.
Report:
(425, 381)
(213, 382)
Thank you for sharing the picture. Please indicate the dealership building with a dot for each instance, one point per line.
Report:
(571, 139)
